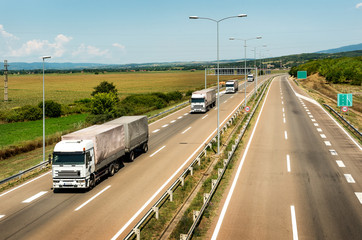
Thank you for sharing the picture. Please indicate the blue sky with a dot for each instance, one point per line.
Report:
(140, 31)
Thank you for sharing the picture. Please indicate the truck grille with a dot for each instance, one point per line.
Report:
(69, 174)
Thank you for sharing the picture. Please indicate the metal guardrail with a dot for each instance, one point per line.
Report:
(42, 164)
(343, 119)
(169, 110)
(136, 231)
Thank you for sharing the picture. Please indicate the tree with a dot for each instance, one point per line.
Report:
(52, 109)
(103, 103)
(105, 87)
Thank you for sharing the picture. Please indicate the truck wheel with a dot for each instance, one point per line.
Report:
(92, 182)
(145, 147)
(111, 170)
(131, 156)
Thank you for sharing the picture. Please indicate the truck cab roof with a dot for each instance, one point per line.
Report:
(73, 145)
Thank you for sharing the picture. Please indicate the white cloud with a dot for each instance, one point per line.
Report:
(359, 5)
(120, 46)
(6, 34)
(43, 47)
(89, 50)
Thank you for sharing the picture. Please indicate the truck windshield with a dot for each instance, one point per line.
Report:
(197, 100)
(230, 85)
(68, 158)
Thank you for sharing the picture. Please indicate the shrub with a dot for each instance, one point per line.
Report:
(31, 113)
(103, 103)
(52, 109)
(105, 87)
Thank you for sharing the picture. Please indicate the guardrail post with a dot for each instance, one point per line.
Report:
(171, 194)
(183, 236)
(206, 196)
(205, 152)
(213, 183)
(182, 179)
(49, 159)
(155, 209)
(198, 161)
(230, 154)
(191, 169)
(195, 215)
(219, 171)
(20, 172)
(138, 233)
(225, 162)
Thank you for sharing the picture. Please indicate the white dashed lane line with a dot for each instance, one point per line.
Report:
(186, 130)
(319, 129)
(165, 125)
(285, 135)
(340, 164)
(359, 196)
(323, 136)
(36, 196)
(327, 143)
(173, 121)
(157, 151)
(179, 117)
(288, 162)
(1, 216)
(154, 131)
(316, 124)
(205, 116)
(349, 178)
(92, 198)
(333, 152)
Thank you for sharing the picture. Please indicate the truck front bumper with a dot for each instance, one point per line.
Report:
(70, 183)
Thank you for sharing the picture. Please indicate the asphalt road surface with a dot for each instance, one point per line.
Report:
(300, 176)
(111, 209)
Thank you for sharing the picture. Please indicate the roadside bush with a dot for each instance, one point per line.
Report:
(174, 96)
(52, 109)
(31, 113)
(103, 103)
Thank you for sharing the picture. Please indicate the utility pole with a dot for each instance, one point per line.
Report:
(6, 80)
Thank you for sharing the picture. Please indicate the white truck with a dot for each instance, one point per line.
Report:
(232, 86)
(251, 78)
(81, 158)
(203, 100)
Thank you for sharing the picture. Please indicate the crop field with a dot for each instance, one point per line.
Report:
(66, 88)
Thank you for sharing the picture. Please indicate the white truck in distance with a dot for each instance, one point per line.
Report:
(81, 158)
(203, 100)
(232, 86)
(250, 77)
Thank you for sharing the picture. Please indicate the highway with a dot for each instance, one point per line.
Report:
(33, 211)
(300, 176)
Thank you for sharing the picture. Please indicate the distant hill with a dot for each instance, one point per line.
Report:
(343, 49)
(58, 66)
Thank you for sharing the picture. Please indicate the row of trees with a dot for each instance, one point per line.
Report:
(341, 70)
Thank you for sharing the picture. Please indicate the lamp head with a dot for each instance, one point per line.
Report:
(193, 17)
(45, 57)
(242, 15)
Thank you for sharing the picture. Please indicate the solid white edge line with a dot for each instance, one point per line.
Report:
(22, 185)
(231, 191)
(32, 198)
(359, 196)
(340, 164)
(294, 222)
(316, 103)
(186, 130)
(349, 178)
(157, 151)
(173, 175)
(205, 116)
(288, 162)
(92, 198)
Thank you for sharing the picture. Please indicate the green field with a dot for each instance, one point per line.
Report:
(15, 133)
(66, 88)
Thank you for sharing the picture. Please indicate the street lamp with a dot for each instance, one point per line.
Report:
(218, 65)
(44, 57)
(255, 65)
(232, 38)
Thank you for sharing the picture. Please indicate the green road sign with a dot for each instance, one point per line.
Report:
(344, 100)
(302, 74)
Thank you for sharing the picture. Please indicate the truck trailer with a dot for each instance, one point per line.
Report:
(232, 86)
(203, 100)
(81, 158)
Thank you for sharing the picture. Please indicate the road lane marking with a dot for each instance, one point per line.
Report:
(311, 116)
(323, 136)
(294, 223)
(1, 216)
(284, 120)
(38, 195)
(205, 116)
(327, 143)
(359, 196)
(179, 117)
(288, 162)
(282, 102)
(333, 152)
(313, 120)
(186, 130)
(173, 121)
(155, 130)
(349, 178)
(231, 191)
(285, 135)
(22, 185)
(165, 125)
(92, 198)
(340, 163)
(284, 115)
(186, 114)
(283, 109)
(316, 124)
(319, 129)
(157, 151)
